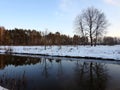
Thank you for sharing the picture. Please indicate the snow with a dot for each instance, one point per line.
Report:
(104, 52)
(1, 88)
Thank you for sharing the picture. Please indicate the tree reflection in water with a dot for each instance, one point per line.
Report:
(60, 69)
(12, 79)
(90, 76)
(14, 83)
(27, 73)
(6, 60)
(46, 67)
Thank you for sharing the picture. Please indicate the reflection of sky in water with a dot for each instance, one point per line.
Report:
(40, 73)
(114, 73)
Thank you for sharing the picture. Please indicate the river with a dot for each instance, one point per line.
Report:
(49, 73)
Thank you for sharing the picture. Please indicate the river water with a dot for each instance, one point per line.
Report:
(49, 73)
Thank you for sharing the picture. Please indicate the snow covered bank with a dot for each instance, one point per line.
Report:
(104, 52)
(1, 88)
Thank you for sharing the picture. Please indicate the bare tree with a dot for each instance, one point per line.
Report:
(2, 32)
(91, 23)
(45, 33)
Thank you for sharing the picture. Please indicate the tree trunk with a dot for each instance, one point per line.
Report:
(91, 40)
(95, 40)
(91, 77)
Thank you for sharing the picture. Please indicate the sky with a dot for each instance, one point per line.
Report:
(55, 15)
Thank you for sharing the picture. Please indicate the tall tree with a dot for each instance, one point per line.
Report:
(2, 32)
(92, 23)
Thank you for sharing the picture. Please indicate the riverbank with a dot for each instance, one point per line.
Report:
(98, 52)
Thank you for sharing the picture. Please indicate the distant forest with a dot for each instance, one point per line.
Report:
(33, 37)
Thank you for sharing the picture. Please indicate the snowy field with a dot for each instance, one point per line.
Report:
(104, 52)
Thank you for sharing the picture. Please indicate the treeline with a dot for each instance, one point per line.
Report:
(33, 37)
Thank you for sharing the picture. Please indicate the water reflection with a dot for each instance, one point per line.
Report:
(45, 67)
(27, 73)
(17, 60)
(91, 76)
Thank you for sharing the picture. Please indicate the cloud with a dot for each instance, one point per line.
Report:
(113, 2)
(65, 5)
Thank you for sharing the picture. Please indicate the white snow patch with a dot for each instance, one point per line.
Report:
(105, 52)
(1, 88)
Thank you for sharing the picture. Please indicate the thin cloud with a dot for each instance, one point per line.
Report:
(113, 2)
(65, 5)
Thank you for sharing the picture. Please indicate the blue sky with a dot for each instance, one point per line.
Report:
(55, 15)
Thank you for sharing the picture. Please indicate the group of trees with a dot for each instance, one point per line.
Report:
(33, 37)
(90, 25)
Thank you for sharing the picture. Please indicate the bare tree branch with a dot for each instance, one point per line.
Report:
(91, 23)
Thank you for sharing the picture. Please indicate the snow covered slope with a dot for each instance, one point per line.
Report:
(1, 88)
(104, 52)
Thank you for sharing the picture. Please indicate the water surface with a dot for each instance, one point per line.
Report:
(47, 73)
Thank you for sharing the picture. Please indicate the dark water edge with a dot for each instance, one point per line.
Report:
(58, 73)
(74, 57)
